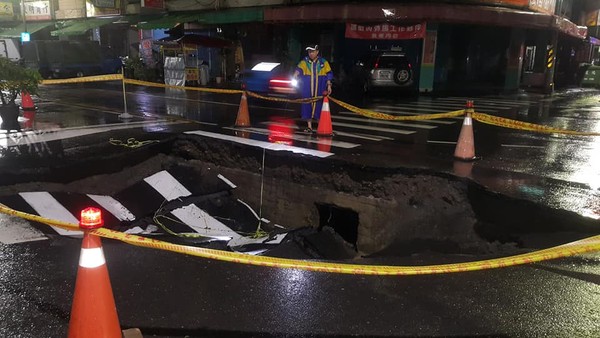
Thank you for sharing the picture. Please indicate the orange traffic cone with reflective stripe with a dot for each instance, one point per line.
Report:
(465, 147)
(325, 128)
(26, 101)
(93, 313)
(243, 116)
(30, 116)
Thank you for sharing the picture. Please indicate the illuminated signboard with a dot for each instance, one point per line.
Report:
(385, 32)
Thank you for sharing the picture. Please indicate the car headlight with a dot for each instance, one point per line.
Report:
(294, 83)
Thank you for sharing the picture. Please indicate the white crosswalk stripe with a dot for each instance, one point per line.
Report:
(48, 207)
(352, 129)
(196, 220)
(384, 122)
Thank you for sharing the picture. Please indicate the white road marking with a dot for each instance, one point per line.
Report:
(167, 185)
(261, 144)
(303, 138)
(386, 130)
(203, 223)
(47, 135)
(441, 142)
(385, 122)
(521, 146)
(228, 182)
(114, 207)
(15, 230)
(48, 207)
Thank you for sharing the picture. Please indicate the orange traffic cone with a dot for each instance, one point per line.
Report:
(26, 101)
(325, 128)
(243, 116)
(324, 144)
(465, 147)
(463, 169)
(30, 116)
(93, 313)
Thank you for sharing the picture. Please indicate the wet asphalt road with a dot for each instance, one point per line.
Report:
(169, 295)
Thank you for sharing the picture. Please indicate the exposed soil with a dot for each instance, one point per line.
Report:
(374, 211)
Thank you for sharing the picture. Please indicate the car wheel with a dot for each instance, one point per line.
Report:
(402, 76)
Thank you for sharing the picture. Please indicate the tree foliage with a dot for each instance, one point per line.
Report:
(14, 79)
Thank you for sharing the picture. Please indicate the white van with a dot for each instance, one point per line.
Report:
(9, 48)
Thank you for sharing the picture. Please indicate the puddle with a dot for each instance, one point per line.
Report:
(330, 209)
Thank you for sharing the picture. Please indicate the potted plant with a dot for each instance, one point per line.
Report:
(14, 80)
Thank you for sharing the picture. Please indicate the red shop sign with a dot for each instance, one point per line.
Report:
(385, 32)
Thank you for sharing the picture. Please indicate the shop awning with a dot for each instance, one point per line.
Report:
(205, 41)
(15, 32)
(237, 15)
(167, 21)
(80, 27)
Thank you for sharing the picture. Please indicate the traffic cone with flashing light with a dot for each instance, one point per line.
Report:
(93, 313)
(465, 147)
(243, 116)
(325, 128)
(26, 101)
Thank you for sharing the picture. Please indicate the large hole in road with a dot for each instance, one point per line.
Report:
(364, 211)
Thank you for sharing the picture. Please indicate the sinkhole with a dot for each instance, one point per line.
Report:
(333, 209)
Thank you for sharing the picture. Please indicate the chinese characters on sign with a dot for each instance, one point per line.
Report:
(37, 10)
(6, 8)
(385, 32)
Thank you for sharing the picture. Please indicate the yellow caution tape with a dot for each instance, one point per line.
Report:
(382, 116)
(131, 142)
(514, 124)
(279, 99)
(97, 78)
(591, 244)
(484, 118)
(198, 89)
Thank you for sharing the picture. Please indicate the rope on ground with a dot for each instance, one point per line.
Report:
(591, 244)
(381, 116)
(520, 125)
(131, 142)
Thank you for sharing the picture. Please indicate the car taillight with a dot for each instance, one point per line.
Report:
(377, 63)
(280, 83)
(283, 85)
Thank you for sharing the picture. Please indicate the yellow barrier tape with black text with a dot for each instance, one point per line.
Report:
(279, 99)
(520, 125)
(484, 118)
(198, 89)
(97, 78)
(591, 244)
(382, 116)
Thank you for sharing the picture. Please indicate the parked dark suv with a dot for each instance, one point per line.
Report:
(385, 70)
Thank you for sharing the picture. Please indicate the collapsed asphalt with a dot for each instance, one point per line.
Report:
(335, 210)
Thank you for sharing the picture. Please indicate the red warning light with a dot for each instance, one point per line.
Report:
(91, 218)
(469, 104)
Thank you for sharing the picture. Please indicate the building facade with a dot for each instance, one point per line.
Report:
(496, 45)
